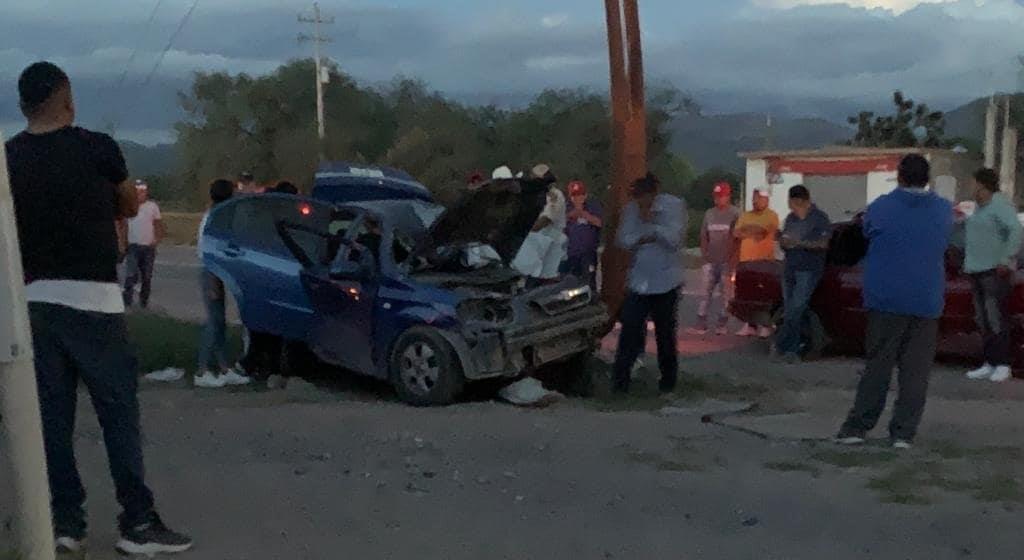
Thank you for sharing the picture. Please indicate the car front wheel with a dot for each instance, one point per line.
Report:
(424, 368)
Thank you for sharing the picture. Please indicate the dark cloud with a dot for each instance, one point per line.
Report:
(820, 60)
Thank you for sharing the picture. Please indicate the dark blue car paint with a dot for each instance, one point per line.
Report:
(342, 182)
(355, 332)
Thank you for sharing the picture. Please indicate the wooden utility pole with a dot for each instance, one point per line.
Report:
(317, 39)
(629, 137)
(19, 400)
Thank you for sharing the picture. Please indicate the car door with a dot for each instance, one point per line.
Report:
(343, 293)
(264, 273)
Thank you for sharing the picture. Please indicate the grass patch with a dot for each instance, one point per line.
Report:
(854, 458)
(182, 227)
(913, 480)
(793, 466)
(162, 342)
(644, 396)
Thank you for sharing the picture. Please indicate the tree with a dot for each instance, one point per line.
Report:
(267, 125)
(913, 125)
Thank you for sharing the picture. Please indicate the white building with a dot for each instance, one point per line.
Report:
(844, 179)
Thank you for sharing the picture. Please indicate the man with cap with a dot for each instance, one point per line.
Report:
(583, 228)
(69, 187)
(145, 232)
(756, 231)
(718, 247)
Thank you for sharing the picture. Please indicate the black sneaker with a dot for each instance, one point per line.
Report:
(152, 538)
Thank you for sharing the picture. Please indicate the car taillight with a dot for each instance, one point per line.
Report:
(305, 210)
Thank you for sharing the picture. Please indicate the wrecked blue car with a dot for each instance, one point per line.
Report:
(403, 289)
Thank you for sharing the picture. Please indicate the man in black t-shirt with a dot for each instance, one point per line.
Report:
(69, 187)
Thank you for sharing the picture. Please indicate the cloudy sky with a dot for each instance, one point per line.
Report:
(795, 57)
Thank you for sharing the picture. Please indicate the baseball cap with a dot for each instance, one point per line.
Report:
(141, 185)
(763, 191)
(722, 189)
(502, 172)
(577, 188)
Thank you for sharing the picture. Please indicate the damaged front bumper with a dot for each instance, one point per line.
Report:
(524, 346)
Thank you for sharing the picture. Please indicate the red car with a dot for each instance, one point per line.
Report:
(838, 319)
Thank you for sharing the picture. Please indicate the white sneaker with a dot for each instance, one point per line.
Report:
(764, 333)
(1001, 374)
(747, 330)
(902, 445)
(209, 380)
(232, 377)
(168, 375)
(69, 545)
(984, 372)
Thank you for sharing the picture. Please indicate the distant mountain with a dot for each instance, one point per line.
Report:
(968, 121)
(715, 140)
(160, 159)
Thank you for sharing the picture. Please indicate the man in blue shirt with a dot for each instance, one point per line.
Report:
(904, 293)
(804, 238)
(652, 231)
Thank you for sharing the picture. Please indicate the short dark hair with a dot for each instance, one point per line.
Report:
(799, 192)
(286, 187)
(987, 178)
(914, 171)
(646, 185)
(221, 190)
(38, 84)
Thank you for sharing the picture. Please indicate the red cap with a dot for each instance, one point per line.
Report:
(722, 189)
(577, 188)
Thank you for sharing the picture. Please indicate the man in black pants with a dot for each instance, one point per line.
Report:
(69, 187)
(652, 230)
(904, 292)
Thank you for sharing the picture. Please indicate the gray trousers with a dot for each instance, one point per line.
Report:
(894, 340)
(991, 294)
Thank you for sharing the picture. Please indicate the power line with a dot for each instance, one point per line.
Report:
(170, 43)
(138, 43)
(160, 59)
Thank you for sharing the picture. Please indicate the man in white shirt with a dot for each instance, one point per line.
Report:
(145, 231)
(544, 249)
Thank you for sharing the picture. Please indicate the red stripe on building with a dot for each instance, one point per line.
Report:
(856, 166)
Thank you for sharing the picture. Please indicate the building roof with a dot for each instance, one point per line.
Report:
(844, 152)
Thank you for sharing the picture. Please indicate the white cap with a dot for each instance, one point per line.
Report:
(141, 185)
(502, 172)
(763, 191)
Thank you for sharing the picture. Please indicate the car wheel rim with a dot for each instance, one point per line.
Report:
(420, 368)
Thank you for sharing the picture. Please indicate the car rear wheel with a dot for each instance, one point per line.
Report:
(425, 370)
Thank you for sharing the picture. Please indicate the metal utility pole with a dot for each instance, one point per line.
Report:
(317, 38)
(629, 136)
(19, 399)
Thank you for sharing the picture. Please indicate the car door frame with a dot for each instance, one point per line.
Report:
(342, 328)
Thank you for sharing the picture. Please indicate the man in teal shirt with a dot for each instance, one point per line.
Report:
(993, 240)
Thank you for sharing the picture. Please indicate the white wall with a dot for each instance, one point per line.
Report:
(780, 193)
(880, 183)
(757, 176)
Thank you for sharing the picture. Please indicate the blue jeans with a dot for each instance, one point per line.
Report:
(214, 337)
(797, 288)
(72, 345)
(138, 267)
